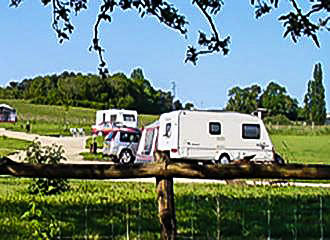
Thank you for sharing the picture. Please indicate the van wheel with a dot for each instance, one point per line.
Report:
(126, 157)
(224, 159)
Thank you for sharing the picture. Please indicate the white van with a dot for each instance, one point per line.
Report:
(217, 136)
(124, 117)
(121, 144)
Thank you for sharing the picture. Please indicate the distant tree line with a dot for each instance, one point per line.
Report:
(136, 92)
(278, 103)
(76, 89)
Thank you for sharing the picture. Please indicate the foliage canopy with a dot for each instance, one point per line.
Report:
(274, 98)
(76, 89)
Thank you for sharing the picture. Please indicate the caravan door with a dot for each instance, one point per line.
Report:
(147, 145)
(199, 135)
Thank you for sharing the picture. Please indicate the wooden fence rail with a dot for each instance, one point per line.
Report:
(164, 171)
(168, 170)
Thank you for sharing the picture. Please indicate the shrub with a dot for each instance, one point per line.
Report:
(46, 155)
(277, 120)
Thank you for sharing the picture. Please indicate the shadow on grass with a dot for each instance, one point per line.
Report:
(115, 210)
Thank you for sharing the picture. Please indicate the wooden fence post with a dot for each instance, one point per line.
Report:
(165, 198)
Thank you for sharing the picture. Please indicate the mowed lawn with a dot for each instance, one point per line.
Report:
(303, 149)
(51, 114)
(11, 145)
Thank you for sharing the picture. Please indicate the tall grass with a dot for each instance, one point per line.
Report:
(113, 210)
(299, 130)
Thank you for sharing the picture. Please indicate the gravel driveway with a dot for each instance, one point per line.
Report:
(71, 145)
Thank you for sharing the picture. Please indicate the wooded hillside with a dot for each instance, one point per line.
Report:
(89, 90)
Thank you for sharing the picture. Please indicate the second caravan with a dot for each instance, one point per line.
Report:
(108, 119)
(123, 116)
(204, 135)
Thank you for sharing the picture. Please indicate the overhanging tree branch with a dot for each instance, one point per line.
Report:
(295, 22)
(103, 15)
(212, 44)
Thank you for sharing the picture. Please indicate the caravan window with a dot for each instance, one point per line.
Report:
(168, 130)
(214, 128)
(113, 118)
(129, 118)
(251, 131)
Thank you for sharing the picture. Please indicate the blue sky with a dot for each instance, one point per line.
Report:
(258, 52)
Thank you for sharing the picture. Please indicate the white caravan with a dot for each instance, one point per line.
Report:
(204, 135)
(124, 117)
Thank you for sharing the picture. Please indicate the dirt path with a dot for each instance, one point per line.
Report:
(71, 145)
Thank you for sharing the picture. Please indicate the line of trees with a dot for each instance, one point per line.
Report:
(76, 89)
(278, 103)
(136, 92)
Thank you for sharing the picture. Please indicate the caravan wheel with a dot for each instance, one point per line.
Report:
(278, 159)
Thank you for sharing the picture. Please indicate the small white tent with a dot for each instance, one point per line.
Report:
(7, 113)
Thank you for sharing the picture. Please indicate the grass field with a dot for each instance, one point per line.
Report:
(51, 114)
(111, 210)
(11, 145)
(303, 149)
(56, 120)
(297, 144)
